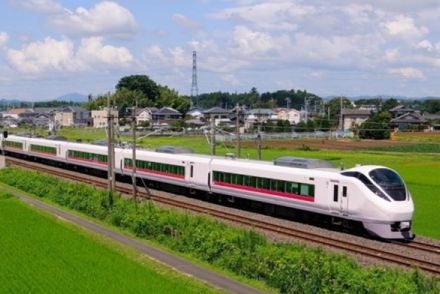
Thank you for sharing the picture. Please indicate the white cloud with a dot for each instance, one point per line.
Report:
(407, 72)
(46, 6)
(39, 57)
(404, 26)
(50, 55)
(275, 15)
(251, 44)
(93, 51)
(392, 55)
(231, 79)
(104, 18)
(185, 22)
(425, 44)
(4, 37)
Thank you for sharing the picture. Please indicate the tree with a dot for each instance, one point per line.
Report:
(389, 104)
(376, 127)
(140, 83)
(335, 107)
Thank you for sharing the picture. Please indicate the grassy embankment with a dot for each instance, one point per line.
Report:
(290, 268)
(42, 254)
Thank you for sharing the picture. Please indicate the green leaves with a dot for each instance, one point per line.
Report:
(289, 268)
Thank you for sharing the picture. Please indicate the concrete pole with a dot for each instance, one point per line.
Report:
(259, 142)
(133, 175)
(212, 134)
(110, 152)
(238, 131)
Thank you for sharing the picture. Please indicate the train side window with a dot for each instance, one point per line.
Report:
(246, 181)
(191, 171)
(253, 182)
(335, 193)
(344, 191)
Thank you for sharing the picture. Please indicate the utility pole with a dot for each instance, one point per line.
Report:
(305, 109)
(133, 175)
(238, 130)
(341, 127)
(259, 142)
(110, 153)
(212, 134)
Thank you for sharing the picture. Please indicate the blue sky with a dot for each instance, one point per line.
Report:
(388, 47)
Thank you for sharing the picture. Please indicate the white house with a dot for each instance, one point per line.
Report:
(145, 114)
(99, 117)
(290, 114)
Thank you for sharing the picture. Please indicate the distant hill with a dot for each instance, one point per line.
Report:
(73, 97)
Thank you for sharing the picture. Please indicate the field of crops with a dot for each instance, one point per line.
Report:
(40, 254)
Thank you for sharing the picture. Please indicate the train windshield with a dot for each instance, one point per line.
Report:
(390, 182)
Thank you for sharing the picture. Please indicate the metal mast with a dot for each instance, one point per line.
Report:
(194, 87)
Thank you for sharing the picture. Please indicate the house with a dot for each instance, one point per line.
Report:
(72, 116)
(259, 115)
(354, 117)
(405, 117)
(220, 115)
(14, 112)
(290, 114)
(145, 114)
(99, 117)
(195, 113)
(166, 114)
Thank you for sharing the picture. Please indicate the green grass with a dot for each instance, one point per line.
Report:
(41, 254)
(417, 148)
(418, 137)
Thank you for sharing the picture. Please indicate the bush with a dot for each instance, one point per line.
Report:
(288, 267)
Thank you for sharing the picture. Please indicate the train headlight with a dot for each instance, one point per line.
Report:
(405, 226)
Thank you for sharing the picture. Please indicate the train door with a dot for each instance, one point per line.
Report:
(191, 173)
(334, 191)
(343, 200)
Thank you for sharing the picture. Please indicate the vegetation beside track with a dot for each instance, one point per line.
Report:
(41, 254)
(286, 267)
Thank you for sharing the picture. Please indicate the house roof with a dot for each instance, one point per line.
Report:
(409, 117)
(167, 110)
(148, 109)
(216, 110)
(262, 111)
(356, 112)
(431, 116)
(402, 108)
(17, 110)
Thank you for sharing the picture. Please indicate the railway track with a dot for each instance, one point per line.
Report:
(345, 245)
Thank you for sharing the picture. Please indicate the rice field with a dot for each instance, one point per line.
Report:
(42, 254)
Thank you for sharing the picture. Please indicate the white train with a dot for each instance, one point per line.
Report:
(375, 196)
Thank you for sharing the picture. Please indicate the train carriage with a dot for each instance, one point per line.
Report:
(376, 196)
